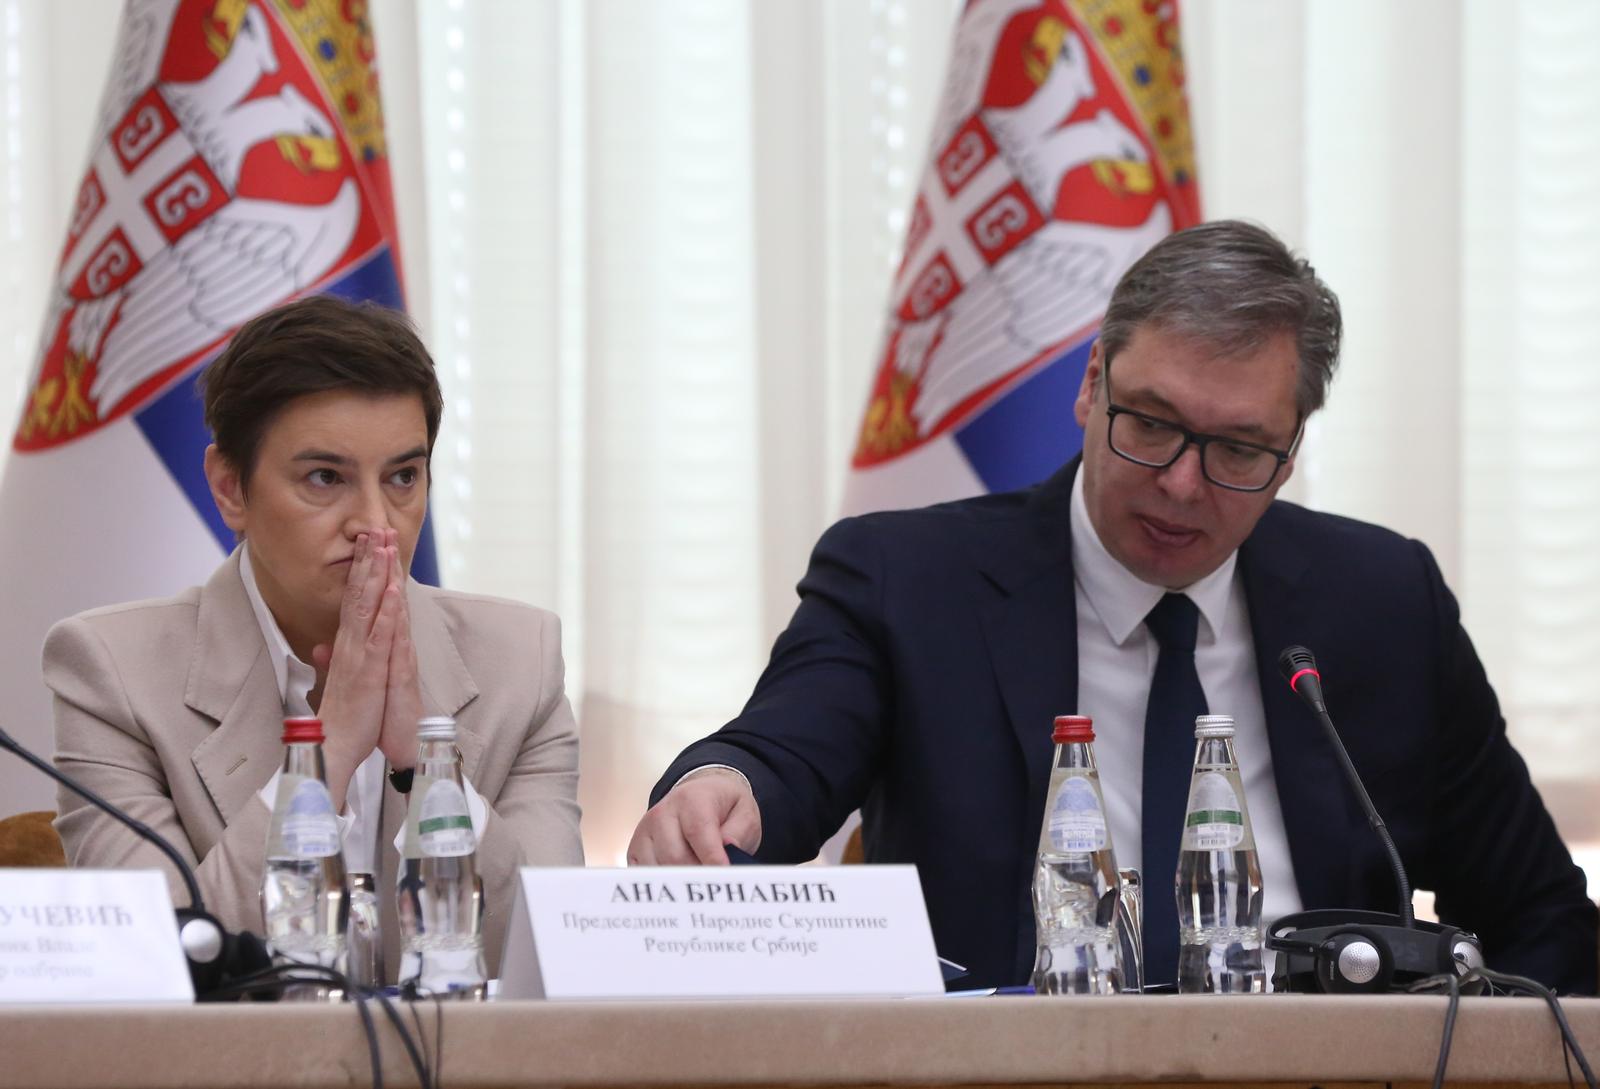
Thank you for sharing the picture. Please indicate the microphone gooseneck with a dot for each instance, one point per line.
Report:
(1299, 667)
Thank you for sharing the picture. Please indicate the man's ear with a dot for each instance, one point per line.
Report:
(227, 488)
(1091, 378)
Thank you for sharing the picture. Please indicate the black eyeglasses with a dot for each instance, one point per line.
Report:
(1156, 443)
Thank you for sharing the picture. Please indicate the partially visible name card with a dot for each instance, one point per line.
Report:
(720, 932)
(89, 936)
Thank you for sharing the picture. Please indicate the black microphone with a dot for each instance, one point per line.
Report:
(1299, 668)
(215, 957)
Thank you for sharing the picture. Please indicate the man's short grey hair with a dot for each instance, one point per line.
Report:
(1233, 285)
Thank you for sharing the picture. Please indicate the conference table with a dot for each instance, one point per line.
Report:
(992, 1041)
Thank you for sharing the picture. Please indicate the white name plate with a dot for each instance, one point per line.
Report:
(720, 932)
(89, 936)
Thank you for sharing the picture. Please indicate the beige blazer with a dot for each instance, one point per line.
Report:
(170, 709)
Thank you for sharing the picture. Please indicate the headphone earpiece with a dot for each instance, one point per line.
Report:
(1354, 961)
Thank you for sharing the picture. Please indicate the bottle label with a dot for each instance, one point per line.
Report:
(1076, 822)
(306, 825)
(1215, 821)
(444, 826)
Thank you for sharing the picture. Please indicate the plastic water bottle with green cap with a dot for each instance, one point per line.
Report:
(1075, 883)
(440, 893)
(1219, 876)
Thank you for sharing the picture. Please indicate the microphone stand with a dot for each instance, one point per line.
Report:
(1300, 669)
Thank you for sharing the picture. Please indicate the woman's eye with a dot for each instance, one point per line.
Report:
(323, 478)
(405, 477)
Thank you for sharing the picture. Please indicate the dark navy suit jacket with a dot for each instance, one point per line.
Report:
(932, 648)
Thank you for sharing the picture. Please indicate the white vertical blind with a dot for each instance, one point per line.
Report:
(1534, 382)
(650, 243)
(671, 516)
(1383, 212)
(1249, 142)
(491, 211)
(27, 205)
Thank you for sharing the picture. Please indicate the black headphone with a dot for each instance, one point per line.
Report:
(216, 957)
(1367, 952)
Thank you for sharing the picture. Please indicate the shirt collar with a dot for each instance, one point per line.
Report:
(1120, 598)
(295, 678)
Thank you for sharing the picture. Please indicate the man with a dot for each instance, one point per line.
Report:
(324, 416)
(1149, 581)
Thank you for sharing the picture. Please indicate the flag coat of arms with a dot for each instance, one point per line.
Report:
(1060, 153)
(237, 162)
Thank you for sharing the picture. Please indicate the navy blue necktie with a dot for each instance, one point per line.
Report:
(1176, 700)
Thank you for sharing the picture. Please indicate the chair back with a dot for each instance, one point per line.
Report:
(854, 853)
(29, 839)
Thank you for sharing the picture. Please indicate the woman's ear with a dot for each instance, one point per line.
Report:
(227, 489)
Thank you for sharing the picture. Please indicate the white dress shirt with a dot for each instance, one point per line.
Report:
(1116, 664)
(361, 819)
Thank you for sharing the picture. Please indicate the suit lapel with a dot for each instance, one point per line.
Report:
(1304, 766)
(231, 682)
(447, 687)
(1031, 628)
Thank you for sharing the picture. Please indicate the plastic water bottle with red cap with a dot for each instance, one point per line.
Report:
(305, 896)
(1075, 883)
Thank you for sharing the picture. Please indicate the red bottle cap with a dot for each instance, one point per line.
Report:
(302, 730)
(1073, 728)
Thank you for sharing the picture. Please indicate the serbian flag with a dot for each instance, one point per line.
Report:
(1060, 153)
(237, 162)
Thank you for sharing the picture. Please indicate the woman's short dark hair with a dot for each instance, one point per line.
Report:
(312, 345)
